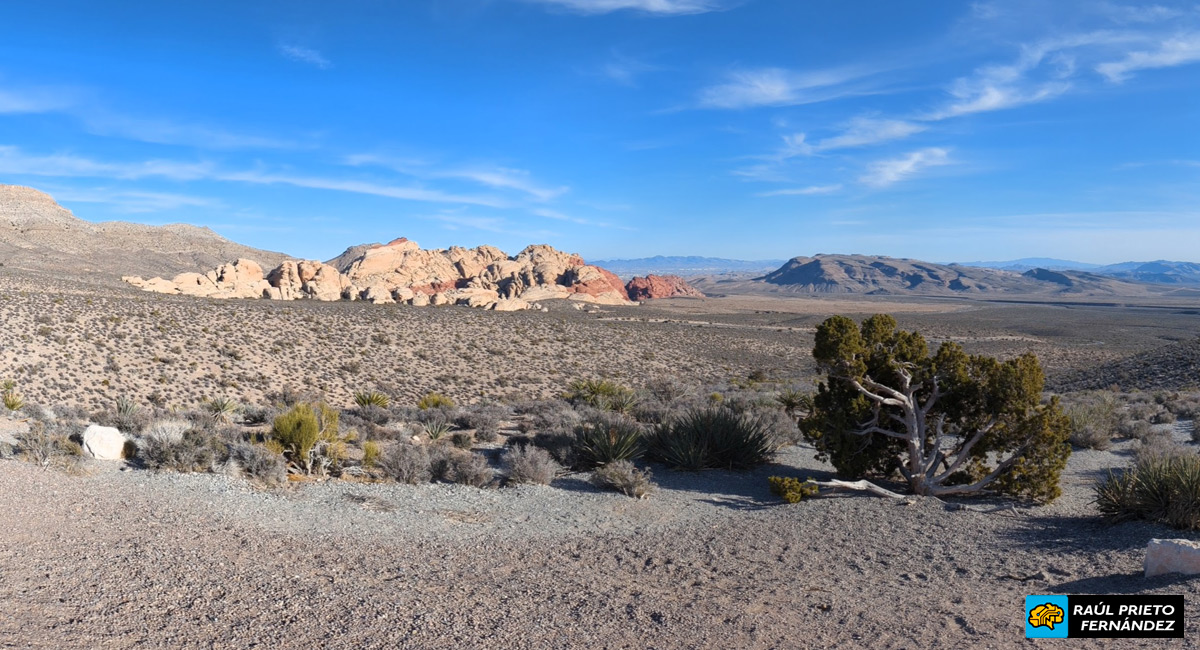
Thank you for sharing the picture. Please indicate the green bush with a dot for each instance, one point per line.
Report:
(711, 438)
(791, 489)
(297, 430)
(603, 440)
(603, 394)
(435, 401)
(371, 453)
(1164, 489)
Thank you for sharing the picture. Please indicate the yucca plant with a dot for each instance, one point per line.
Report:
(12, 399)
(604, 440)
(603, 394)
(221, 408)
(793, 400)
(711, 438)
(1161, 488)
(372, 398)
(127, 408)
(436, 429)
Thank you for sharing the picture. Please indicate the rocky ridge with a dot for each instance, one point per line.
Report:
(402, 272)
(653, 287)
(36, 233)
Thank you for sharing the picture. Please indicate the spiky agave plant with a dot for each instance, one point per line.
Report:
(372, 398)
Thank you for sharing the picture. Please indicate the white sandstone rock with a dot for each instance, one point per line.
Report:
(103, 443)
(1172, 556)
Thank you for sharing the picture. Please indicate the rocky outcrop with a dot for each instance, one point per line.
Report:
(661, 286)
(402, 272)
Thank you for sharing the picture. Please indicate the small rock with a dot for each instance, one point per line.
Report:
(1172, 556)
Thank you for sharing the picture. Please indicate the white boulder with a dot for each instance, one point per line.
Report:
(103, 443)
(1172, 556)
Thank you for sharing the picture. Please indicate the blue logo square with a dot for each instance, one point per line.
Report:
(1046, 617)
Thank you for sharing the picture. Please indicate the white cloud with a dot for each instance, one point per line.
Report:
(303, 54)
(1179, 50)
(159, 131)
(803, 191)
(779, 87)
(659, 7)
(858, 132)
(882, 173)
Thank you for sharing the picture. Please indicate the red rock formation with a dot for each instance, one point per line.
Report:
(661, 286)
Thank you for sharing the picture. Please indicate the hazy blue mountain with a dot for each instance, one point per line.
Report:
(1157, 272)
(1027, 263)
(685, 265)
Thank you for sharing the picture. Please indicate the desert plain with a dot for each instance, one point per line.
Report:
(112, 554)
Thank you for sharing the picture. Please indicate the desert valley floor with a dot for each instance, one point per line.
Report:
(103, 555)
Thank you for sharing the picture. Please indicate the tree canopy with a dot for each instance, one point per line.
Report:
(948, 422)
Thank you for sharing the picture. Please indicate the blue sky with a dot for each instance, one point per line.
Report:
(946, 131)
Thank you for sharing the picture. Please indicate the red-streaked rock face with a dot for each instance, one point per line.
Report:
(660, 286)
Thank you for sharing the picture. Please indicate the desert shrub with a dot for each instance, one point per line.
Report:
(468, 469)
(552, 417)
(621, 476)
(782, 427)
(259, 463)
(258, 415)
(189, 451)
(440, 468)
(1158, 444)
(462, 439)
(667, 390)
(126, 416)
(602, 394)
(791, 489)
(372, 398)
(529, 464)
(406, 463)
(41, 444)
(309, 437)
(711, 438)
(485, 420)
(435, 400)
(371, 453)
(1142, 411)
(290, 396)
(222, 408)
(1093, 422)
(1164, 417)
(373, 414)
(560, 446)
(1134, 429)
(601, 440)
(1164, 489)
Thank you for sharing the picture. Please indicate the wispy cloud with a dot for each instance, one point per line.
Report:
(302, 54)
(1172, 52)
(134, 201)
(34, 100)
(803, 191)
(858, 132)
(883, 173)
(14, 161)
(625, 69)
(160, 131)
(780, 87)
(506, 178)
(658, 7)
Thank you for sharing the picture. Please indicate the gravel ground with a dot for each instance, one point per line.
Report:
(104, 558)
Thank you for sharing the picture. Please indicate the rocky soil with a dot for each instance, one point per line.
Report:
(102, 558)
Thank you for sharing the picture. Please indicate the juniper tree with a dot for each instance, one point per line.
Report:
(948, 422)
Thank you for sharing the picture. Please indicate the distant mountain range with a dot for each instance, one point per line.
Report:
(1157, 272)
(685, 265)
